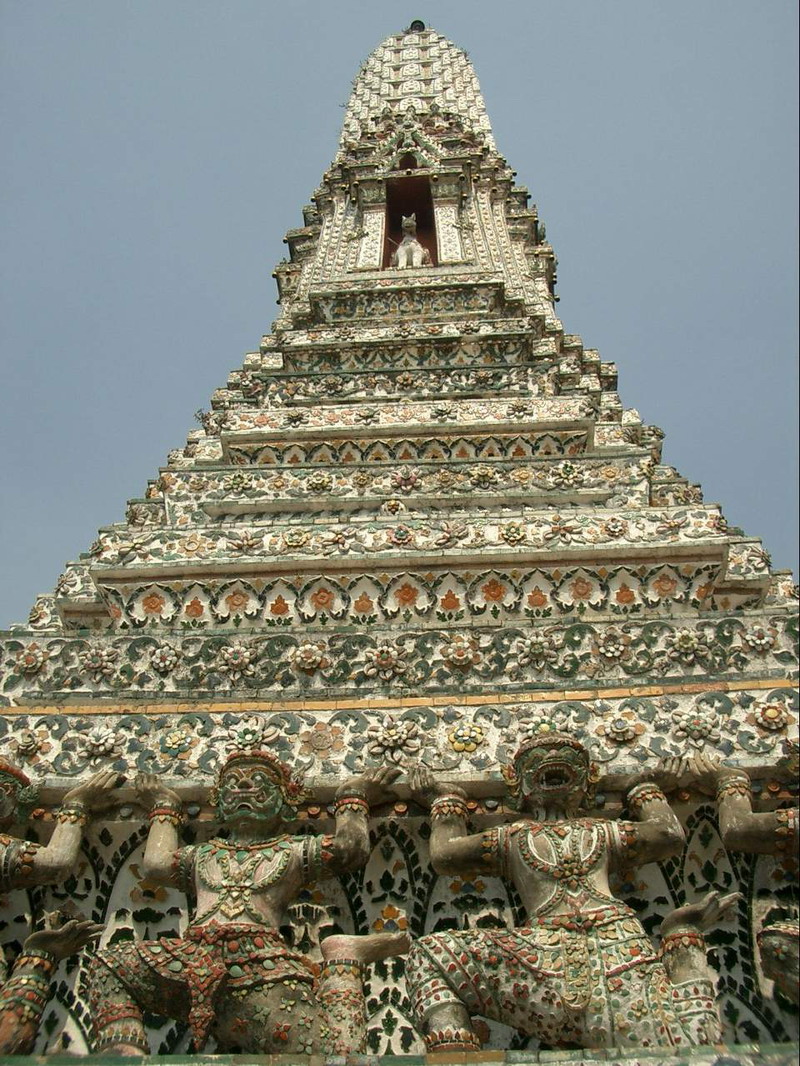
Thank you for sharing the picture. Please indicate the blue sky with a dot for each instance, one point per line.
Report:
(156, 153)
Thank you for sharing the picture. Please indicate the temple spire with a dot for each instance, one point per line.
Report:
(415, 529)
(416, 70)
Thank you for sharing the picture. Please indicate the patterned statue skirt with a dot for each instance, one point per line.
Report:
(591, 981)
(211, 972)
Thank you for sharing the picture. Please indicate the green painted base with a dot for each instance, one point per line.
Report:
(719, 1055)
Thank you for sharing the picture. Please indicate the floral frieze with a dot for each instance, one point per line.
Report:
(286, 388)
(404, 449)
(431, 347)
(377, 302)
(753, 726)
(404, 661)
(542, 409)
(453, 533)
(387, 338)
(444, 595)
(624, 475)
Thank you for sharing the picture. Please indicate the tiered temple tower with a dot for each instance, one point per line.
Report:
(416, 524)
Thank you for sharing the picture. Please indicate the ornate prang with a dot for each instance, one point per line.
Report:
(415, 526)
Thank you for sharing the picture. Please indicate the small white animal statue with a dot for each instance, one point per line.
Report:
(410, 253)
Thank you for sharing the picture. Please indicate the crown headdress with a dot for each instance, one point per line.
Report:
(27, 793)
(289, 783)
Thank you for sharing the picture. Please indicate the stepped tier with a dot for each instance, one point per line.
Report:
(419, 487)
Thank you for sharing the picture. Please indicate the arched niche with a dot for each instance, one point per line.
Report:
(409, 194)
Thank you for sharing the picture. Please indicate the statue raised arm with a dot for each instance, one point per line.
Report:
(23, 864)
(24, 996)
(763, 833)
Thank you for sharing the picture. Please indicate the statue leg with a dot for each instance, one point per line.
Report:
(295, 1018)
(341, 992)
(440, 1014)
(117, 1020)
(121, 987)
(683, 949)
(449, 1028)
(277, 1018)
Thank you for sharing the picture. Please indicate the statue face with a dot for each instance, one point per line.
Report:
(9, 799)
(550, 775)
(248, 792)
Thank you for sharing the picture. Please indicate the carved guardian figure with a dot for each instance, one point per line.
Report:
(24, 996)
(581, 972)
(232, 973)
(760, 833)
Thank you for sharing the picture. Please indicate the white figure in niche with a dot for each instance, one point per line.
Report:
(409, 252)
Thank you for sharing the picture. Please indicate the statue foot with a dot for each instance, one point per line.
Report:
(366, 949)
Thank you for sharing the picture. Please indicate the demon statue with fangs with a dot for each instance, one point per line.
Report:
(581, 972)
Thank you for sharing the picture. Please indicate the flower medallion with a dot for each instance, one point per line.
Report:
(466, 737)
(309, 657)
(322, 740)
(759, 639)
(31, 659)
(461, 653)
(513, 533)
(393, 740)
(164, 658)
(237, 660)
(538, 651)
(770, 716)
(483, 476)
(685, 646)
(406, 479)
(385, 662)
(695, 726)
(622, 727)
(100, 743)
(612, 645)
(567, 475)
(99, 663)
(318, 481)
